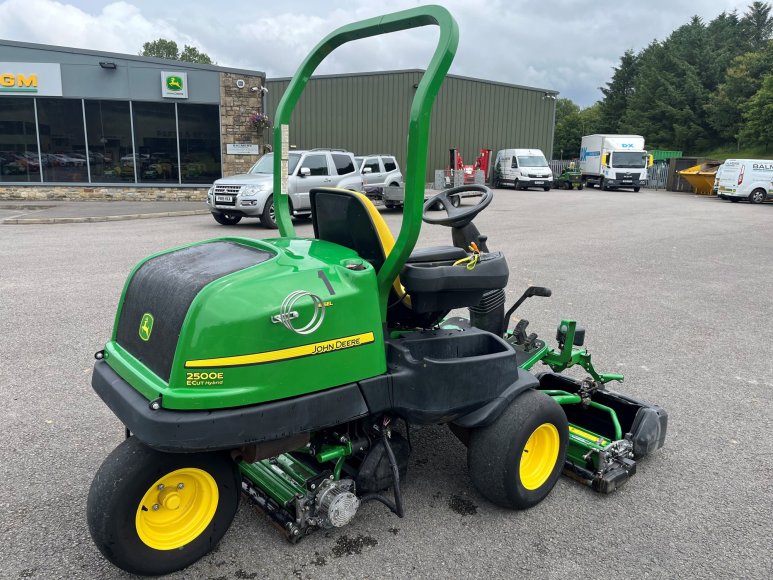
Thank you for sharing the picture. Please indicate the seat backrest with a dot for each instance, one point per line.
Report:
(349, 219)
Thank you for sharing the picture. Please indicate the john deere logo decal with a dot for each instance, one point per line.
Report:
(146, 326)
(174, 83)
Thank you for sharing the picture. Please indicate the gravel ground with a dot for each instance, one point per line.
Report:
(674, 292)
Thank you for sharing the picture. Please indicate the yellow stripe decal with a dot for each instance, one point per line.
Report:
(284, 353)
(587, 436)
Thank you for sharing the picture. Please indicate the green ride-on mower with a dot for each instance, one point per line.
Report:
(288, 370)
(570, 178)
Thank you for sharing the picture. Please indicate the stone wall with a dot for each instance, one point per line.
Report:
(92, 193)
(236, 106)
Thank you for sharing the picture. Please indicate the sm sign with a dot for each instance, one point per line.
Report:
(29, 78)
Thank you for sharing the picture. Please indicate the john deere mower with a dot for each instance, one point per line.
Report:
(289, 370)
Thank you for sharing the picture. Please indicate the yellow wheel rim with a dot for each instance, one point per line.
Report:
(177, 509)
(539, 456)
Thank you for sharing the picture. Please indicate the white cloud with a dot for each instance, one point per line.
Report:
(565, 45)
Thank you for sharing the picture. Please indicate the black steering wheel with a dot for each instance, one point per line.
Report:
(457, 217)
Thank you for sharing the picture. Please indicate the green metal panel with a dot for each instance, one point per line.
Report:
(230, 353)
(368, 113)
(661, 154)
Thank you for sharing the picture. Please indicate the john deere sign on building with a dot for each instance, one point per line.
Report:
(174, 85)
(30, 78)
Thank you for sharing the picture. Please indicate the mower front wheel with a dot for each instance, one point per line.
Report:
(152, 513)
(516, 461)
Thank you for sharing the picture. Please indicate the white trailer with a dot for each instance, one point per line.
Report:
(614, 161)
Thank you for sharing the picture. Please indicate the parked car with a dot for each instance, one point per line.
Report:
(252, 194)
(746, 179)
(379, 170)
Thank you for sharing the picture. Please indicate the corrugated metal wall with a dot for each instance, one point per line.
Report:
(368, 113)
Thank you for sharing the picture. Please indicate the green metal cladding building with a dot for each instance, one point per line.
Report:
(368, 113)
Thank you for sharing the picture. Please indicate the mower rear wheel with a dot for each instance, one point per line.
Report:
(516, 461)
(152, 513)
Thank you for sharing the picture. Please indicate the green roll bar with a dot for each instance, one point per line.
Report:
(418, 128)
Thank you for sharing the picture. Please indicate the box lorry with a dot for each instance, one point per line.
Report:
(749, 179)
(522, 169)
(614, 161)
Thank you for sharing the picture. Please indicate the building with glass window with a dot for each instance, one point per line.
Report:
(76, 123)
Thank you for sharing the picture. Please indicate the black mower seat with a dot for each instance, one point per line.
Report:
(437, 254)
(433, 284)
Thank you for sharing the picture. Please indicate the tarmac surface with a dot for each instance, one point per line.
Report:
(674, 291)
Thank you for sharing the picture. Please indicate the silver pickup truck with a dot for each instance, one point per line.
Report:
(251, 195)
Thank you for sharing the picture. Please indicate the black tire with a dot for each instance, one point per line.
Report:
(494, 183)
(268, 217)
(495, 452)
(757, 196)
(579, 188)
(389, 204)
(602, 185)
(127, 476)
(546, 188)
(516, 186)
(636, 189)
(226, 219)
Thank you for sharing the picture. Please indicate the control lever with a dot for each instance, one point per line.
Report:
(530, 291)
(519, 332)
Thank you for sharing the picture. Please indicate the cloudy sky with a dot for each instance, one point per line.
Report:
(565, 45)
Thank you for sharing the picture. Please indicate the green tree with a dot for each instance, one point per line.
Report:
(163, 48)
(618, 92)
(742, 80)
(758, 116)
(757, 24)
(667, 102)
(192, 54)
(572, 123)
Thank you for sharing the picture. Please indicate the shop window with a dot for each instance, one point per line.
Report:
(62, 140)
(108, 127)
(18, 140)
(199, 143)
(155, 140)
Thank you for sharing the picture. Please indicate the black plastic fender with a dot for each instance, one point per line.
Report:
(491, 411)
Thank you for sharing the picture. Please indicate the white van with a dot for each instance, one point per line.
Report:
(521, 169)
(717, 177)
(750, 179)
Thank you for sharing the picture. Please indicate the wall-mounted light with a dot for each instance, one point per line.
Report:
(240, 84)
(108, 65)
(550, 96)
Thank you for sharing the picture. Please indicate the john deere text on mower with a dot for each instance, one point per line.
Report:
(282, 368)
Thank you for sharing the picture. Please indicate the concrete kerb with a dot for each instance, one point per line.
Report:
(108, 218)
